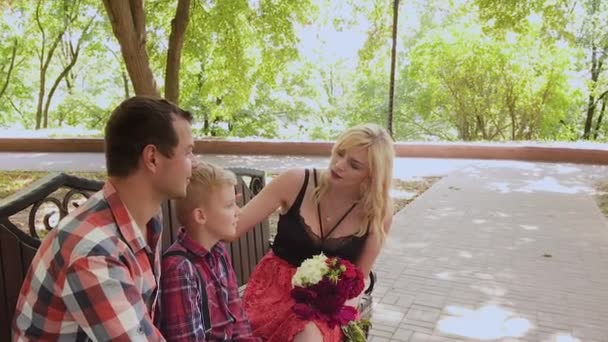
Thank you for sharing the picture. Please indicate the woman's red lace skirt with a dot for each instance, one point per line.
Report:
(268, 303)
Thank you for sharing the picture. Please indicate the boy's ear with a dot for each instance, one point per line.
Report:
(199, 216)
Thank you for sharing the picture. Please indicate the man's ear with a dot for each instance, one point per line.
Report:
(149, 157)
(199, 216)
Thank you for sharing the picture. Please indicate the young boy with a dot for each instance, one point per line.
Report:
(199, 292)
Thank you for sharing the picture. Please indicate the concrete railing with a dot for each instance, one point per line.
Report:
(525, 152)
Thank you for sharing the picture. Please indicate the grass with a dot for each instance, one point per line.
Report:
(13, 181)
(601, 197)
(417, 187)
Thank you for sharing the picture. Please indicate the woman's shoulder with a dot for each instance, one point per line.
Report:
(291, 176)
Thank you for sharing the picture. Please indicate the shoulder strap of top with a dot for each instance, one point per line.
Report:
(204, 304)
(298, 202)
(323, 237)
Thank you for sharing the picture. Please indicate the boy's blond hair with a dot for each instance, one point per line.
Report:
(206, 178)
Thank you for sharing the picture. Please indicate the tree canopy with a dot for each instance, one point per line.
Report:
(466, 70)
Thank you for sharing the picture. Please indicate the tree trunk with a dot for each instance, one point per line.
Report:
(73, 54)
(604, 99)
(596, 67)
(10, 69)
(391, 95)
(45, 61)
(176, 43)
(127, 18)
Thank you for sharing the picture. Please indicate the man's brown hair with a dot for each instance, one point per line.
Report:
(137, 122)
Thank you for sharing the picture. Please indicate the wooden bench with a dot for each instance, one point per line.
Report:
(26, 215)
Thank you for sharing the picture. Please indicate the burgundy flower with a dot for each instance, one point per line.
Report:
(325, 300)
(351, 270)
(330, 297)
(356, 285)
(303, 294)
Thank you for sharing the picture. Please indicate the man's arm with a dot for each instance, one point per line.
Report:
(102, 297)
(181, 317)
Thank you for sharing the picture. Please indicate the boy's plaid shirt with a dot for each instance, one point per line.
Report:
(180, 300)
(93, 278)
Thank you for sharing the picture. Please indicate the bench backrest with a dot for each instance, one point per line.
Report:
(53, 196)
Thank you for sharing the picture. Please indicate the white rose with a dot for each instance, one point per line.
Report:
(311, 271)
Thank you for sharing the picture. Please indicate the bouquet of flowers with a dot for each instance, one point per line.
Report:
(321, 286)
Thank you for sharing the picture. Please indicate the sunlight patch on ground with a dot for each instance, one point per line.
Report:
(564, 337)
(502, 187)
(550, 184)
(546, 184)
(489, 322)
(528, 227)
(416, 245)
(489, 290)
(464, 254)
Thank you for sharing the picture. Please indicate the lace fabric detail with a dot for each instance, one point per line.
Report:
(268, 304)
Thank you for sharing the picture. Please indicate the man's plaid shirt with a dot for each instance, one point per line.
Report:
(93, 278)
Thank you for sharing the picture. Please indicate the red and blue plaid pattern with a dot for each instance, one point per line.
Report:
(181, 318)
(93, 278)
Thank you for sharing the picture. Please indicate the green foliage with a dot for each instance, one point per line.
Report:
(490, 89)
(467, 70)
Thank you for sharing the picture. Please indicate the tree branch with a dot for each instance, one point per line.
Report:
(179, 24)
(66, 70)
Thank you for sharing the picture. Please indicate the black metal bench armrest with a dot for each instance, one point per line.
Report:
(372, 282)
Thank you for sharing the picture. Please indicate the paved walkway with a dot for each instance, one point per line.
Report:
(510, 253)
(495, 251)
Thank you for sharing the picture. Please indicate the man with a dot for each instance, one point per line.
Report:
(95, 277)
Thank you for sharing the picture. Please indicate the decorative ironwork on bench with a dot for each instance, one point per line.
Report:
(51, 198)
(56, 195)
(61, 208)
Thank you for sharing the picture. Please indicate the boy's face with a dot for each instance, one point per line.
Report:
(221, 211)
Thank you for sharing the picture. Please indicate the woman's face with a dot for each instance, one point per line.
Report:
(349, 167)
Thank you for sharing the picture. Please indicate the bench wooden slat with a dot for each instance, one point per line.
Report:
(5, 334)
(13, 274)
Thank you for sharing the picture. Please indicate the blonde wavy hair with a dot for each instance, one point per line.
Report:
(375, 192)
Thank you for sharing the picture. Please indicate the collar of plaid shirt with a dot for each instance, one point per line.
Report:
(129, 229)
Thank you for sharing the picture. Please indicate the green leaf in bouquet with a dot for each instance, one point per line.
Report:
(356, 331)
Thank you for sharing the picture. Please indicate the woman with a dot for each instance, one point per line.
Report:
(343, 211)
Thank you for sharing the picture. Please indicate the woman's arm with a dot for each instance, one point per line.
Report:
(373, 245)
(280, 192)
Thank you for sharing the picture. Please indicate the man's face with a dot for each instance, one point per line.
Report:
(174, 173)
